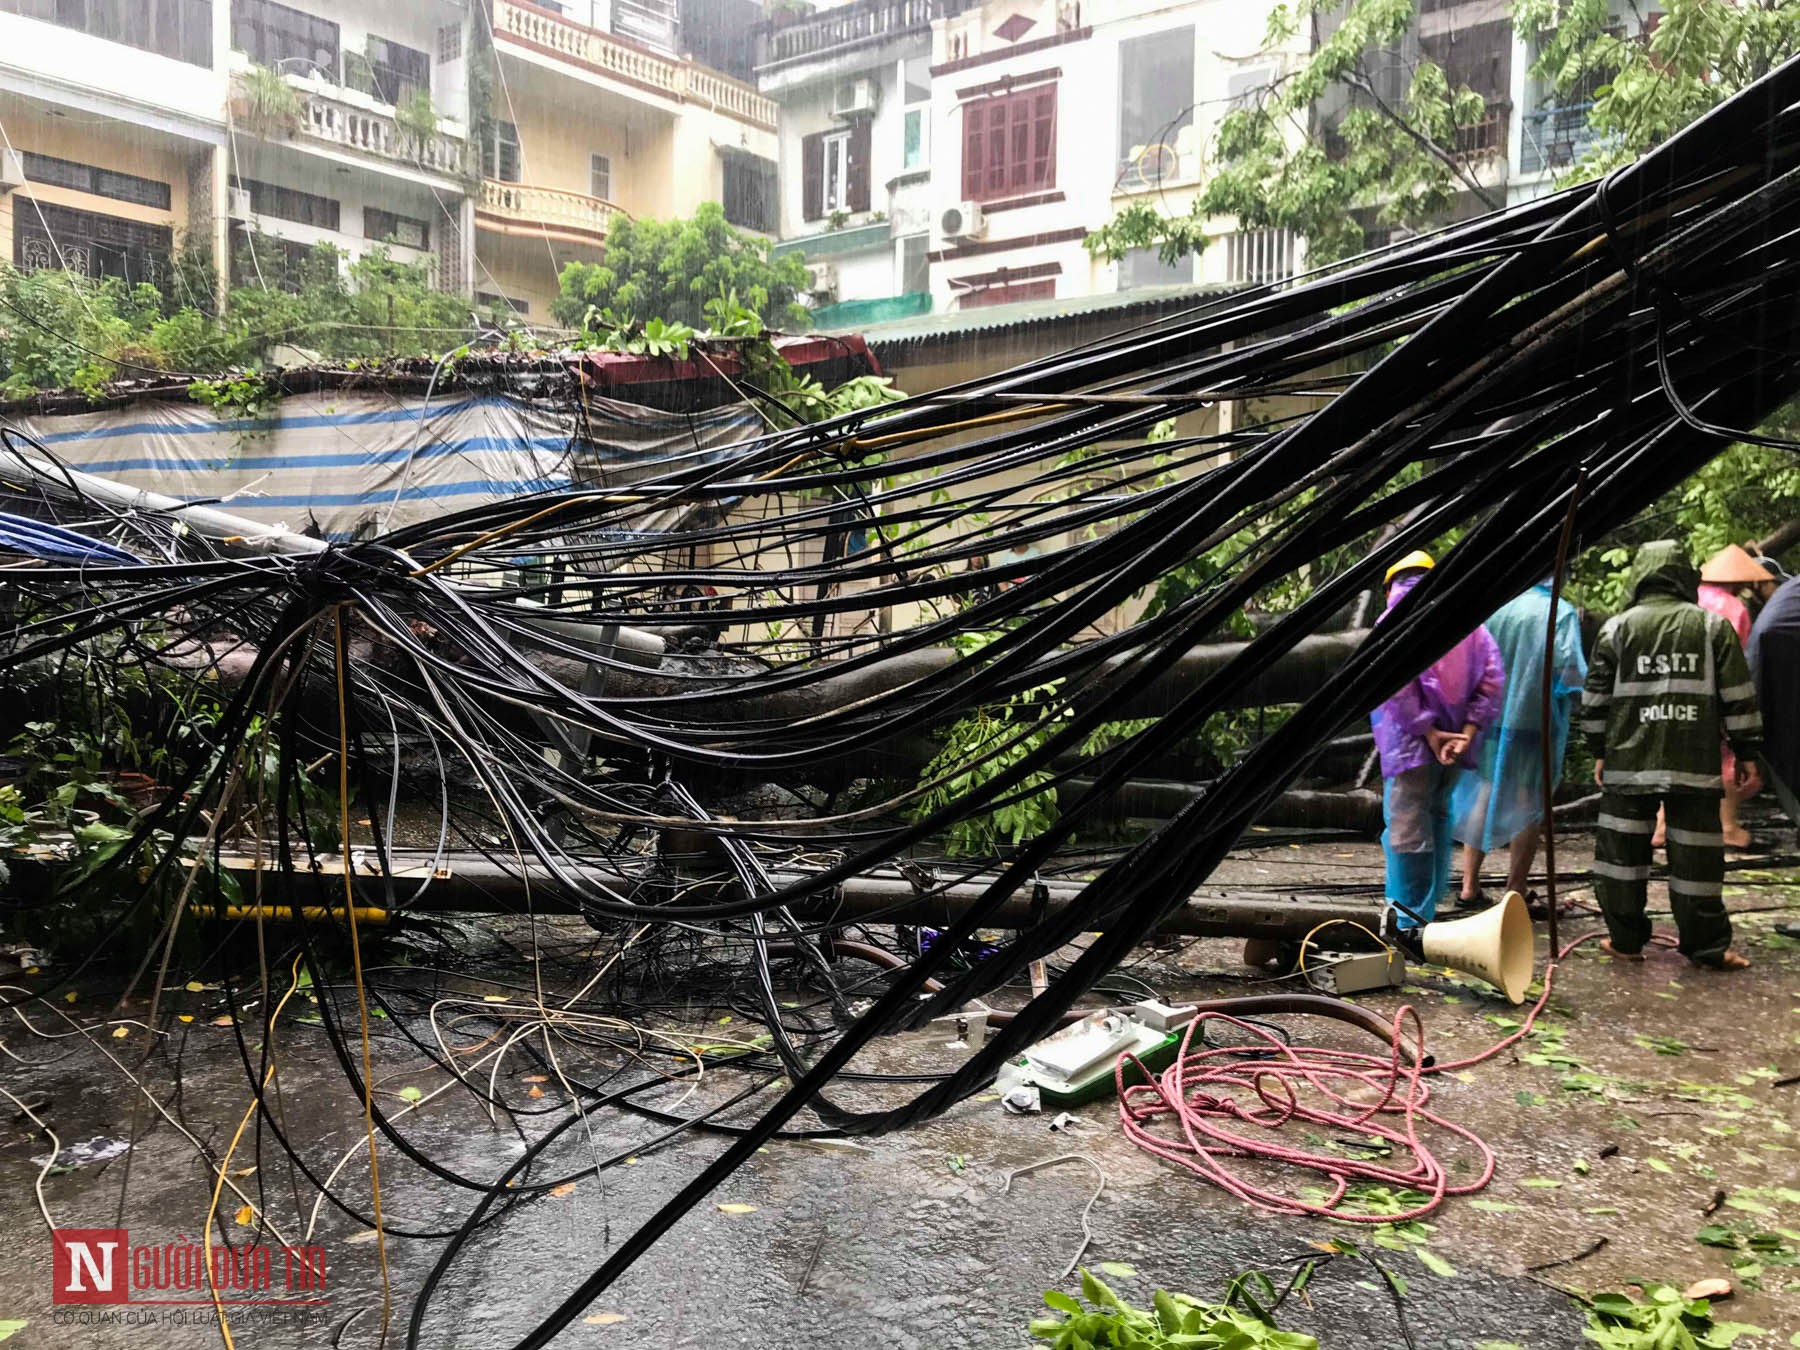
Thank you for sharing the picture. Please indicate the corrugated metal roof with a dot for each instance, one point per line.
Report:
(1023, 313)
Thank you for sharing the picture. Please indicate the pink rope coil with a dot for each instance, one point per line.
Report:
(1218, 1104)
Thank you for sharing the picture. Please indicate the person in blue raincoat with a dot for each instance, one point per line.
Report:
(1501, 804)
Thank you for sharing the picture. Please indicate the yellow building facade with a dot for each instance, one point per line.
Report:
(588, 126)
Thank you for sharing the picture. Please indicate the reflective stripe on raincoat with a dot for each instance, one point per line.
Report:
(1667, 680)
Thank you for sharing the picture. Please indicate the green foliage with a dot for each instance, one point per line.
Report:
(377, 306)
(62, 331)
(653, 337)
(670, 269)
(239, 396)
(1173, 1322)
(1664, 1320)
(987, 743)
(790, 397)
(1646, 88)
(59, 330)
(1399, 159)
(416, 117)
(265, 99)
(1743, 495)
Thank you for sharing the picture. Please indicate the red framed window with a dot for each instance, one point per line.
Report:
(1006, 295)
(1009, 144)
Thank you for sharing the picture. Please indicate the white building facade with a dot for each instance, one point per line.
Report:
(854, 85)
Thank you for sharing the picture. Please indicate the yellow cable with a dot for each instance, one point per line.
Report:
(362, 1000)
(212, 1210)
(1329, 923)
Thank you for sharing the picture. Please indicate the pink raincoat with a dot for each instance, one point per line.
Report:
(1467, 684)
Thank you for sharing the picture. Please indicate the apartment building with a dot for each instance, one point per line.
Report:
(854, 85)
(588, 123)
(942, 155)
(370, 147)
(1056, 114)
(113, 128)
(495, 140)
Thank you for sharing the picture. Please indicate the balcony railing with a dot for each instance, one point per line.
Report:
(681, 81)
(852, 25)
(552, 208)
(1259, 257)
(1554, 138)
(340, 123)
(1485, 138)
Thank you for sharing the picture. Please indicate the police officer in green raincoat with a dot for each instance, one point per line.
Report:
(1667, 681)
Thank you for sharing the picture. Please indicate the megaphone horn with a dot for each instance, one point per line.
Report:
(1495, 945)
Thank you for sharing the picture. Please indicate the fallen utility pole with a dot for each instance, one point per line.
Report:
(472, 883)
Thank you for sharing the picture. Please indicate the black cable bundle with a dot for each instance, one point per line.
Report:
(1616, 336)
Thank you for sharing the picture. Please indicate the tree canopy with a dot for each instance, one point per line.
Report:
(1340, 136)
(669, 269)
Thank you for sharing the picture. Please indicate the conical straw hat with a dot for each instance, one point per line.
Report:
(1731, 566)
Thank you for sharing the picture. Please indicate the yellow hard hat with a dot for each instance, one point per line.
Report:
(1416, 561)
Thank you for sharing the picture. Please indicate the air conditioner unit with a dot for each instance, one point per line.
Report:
(964, 220)
(854, 98)
(239, 203)
(12, 170)
(821, 278)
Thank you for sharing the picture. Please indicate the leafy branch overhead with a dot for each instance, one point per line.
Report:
(1365, 122)
(1336, 133)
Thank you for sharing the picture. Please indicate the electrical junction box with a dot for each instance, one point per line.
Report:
(1076, 1064)
(1163, 1016)
(1353, 972)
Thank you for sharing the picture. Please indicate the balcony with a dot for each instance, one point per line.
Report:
(601, 53)
(846, 27)
(344, 125)
(1485, 138)
(1554, 138)
(520, 208)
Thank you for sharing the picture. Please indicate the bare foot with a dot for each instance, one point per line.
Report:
(1657, 840)
(1737, 839)
(1731, 960)
(1607, 947)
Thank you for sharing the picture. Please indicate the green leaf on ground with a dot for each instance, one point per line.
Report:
(1492, 1206)
(1434, 1263)
(411, 1094)
(12, 1326)
(1541, 1183)
(1118, 1270)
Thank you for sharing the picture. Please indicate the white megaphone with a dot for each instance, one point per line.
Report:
(1495, 945)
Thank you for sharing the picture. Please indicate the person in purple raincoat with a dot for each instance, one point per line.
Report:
(1425, 733)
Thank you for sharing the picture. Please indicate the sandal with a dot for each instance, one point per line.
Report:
(1538, 909)
(1612, 951)
(1730, 960)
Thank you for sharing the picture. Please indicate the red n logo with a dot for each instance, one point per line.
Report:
(88, 1265)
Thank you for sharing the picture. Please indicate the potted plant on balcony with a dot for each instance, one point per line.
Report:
(417, 119)
(263, 100)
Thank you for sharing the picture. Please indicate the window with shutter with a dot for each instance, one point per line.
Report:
(974, 125)
(1009, 144)
(812, 177)
(857, 198)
